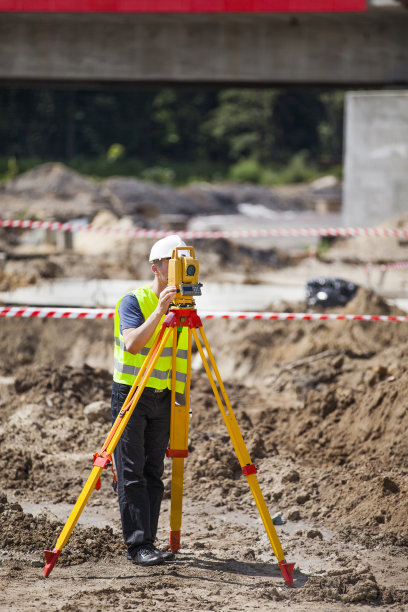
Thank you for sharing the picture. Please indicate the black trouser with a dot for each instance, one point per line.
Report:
(139, 457)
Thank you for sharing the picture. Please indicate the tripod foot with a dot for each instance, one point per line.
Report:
(51, 557)
(287, 569)
(174, 541)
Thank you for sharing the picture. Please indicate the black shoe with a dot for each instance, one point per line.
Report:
(167, 555)
(145, 554)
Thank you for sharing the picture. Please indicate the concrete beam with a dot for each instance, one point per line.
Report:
(337, 49)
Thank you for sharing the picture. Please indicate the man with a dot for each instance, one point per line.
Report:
(139, 454)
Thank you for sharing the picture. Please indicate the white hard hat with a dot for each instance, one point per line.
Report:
(163, 249)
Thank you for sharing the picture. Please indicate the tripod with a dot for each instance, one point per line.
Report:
(178, 448)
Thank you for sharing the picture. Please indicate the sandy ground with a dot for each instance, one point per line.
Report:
(323, 412)
(322, 408)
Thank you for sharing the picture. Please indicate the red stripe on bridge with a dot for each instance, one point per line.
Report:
(182, 6)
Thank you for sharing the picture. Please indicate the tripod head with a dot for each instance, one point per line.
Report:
(183, 274)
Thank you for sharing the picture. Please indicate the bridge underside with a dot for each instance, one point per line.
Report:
(87, 50)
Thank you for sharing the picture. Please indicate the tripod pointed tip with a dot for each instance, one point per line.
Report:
(51, 557)
(287, 571)
(174, 541)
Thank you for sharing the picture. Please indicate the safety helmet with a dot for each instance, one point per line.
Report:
(163, 249)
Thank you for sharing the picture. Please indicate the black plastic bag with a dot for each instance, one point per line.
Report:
(329, 292)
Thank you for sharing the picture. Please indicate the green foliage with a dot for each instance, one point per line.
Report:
(101, 167)
(325, 243)
(116, 151)
(158, 174)
(174, 173)
(298, 170)
(179, 173)
(246, 171)
(11, 166)
(243, 119)
(174, 136)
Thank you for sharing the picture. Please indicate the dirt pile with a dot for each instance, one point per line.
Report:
(263, 350)
(343, 587)
(368, 250)
(351, 587)
(54, 192)
(23, 532)
(334, 396)
(227, 198)
(149, 202)
(40, 343)
(125, 258)
(49, 423)
(327, 397)
(358, 482)
(321, 406)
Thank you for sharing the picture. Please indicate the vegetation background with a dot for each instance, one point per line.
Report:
(175, 136)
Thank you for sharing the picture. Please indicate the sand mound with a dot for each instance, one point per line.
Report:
(53, 191)
(367, 250)
(321, 406)
(20, 531)
(334, 396)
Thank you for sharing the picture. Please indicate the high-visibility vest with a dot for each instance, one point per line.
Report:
(127, 365)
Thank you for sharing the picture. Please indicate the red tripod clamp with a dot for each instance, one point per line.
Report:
(103, 460)
(182, 317)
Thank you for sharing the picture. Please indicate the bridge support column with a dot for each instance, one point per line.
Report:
(376, 157)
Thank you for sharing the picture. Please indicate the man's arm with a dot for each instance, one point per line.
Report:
(137, 337)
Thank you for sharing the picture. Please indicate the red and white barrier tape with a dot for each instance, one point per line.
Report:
(345, 232)
(57, 313)
(397, 265)
(109, 313)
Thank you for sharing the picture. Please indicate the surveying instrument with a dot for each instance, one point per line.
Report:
(183, 274)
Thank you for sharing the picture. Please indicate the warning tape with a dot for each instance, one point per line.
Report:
(397, 265)
(109, 313)
(57, 313)
(345, 232)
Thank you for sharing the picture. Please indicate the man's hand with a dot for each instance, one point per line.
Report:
(136, 337)
(165, 298)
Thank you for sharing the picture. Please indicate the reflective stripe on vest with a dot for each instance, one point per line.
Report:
(166, 352)
(161, 375)
(127, 365)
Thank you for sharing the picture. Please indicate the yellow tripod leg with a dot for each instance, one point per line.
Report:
(156, 348)
(248, 469)
(109, 446)
(149, 369)
(178, 448)
(176, 504)
(51, 556)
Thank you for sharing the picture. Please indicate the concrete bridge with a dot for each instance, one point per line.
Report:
(345, 49)
(365, 49)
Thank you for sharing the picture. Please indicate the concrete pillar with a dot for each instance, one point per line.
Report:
(376, 157)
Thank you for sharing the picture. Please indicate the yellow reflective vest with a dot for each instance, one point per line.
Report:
(127, 365)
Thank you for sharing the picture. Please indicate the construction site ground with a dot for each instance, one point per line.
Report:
(322, 406)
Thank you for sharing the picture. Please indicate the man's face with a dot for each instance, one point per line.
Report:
(162, 268)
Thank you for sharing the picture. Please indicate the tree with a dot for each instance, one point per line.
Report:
(243, 122)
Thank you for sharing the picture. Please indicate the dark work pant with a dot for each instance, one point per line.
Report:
(139, 462)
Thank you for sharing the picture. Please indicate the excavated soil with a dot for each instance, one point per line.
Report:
(322, 408)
